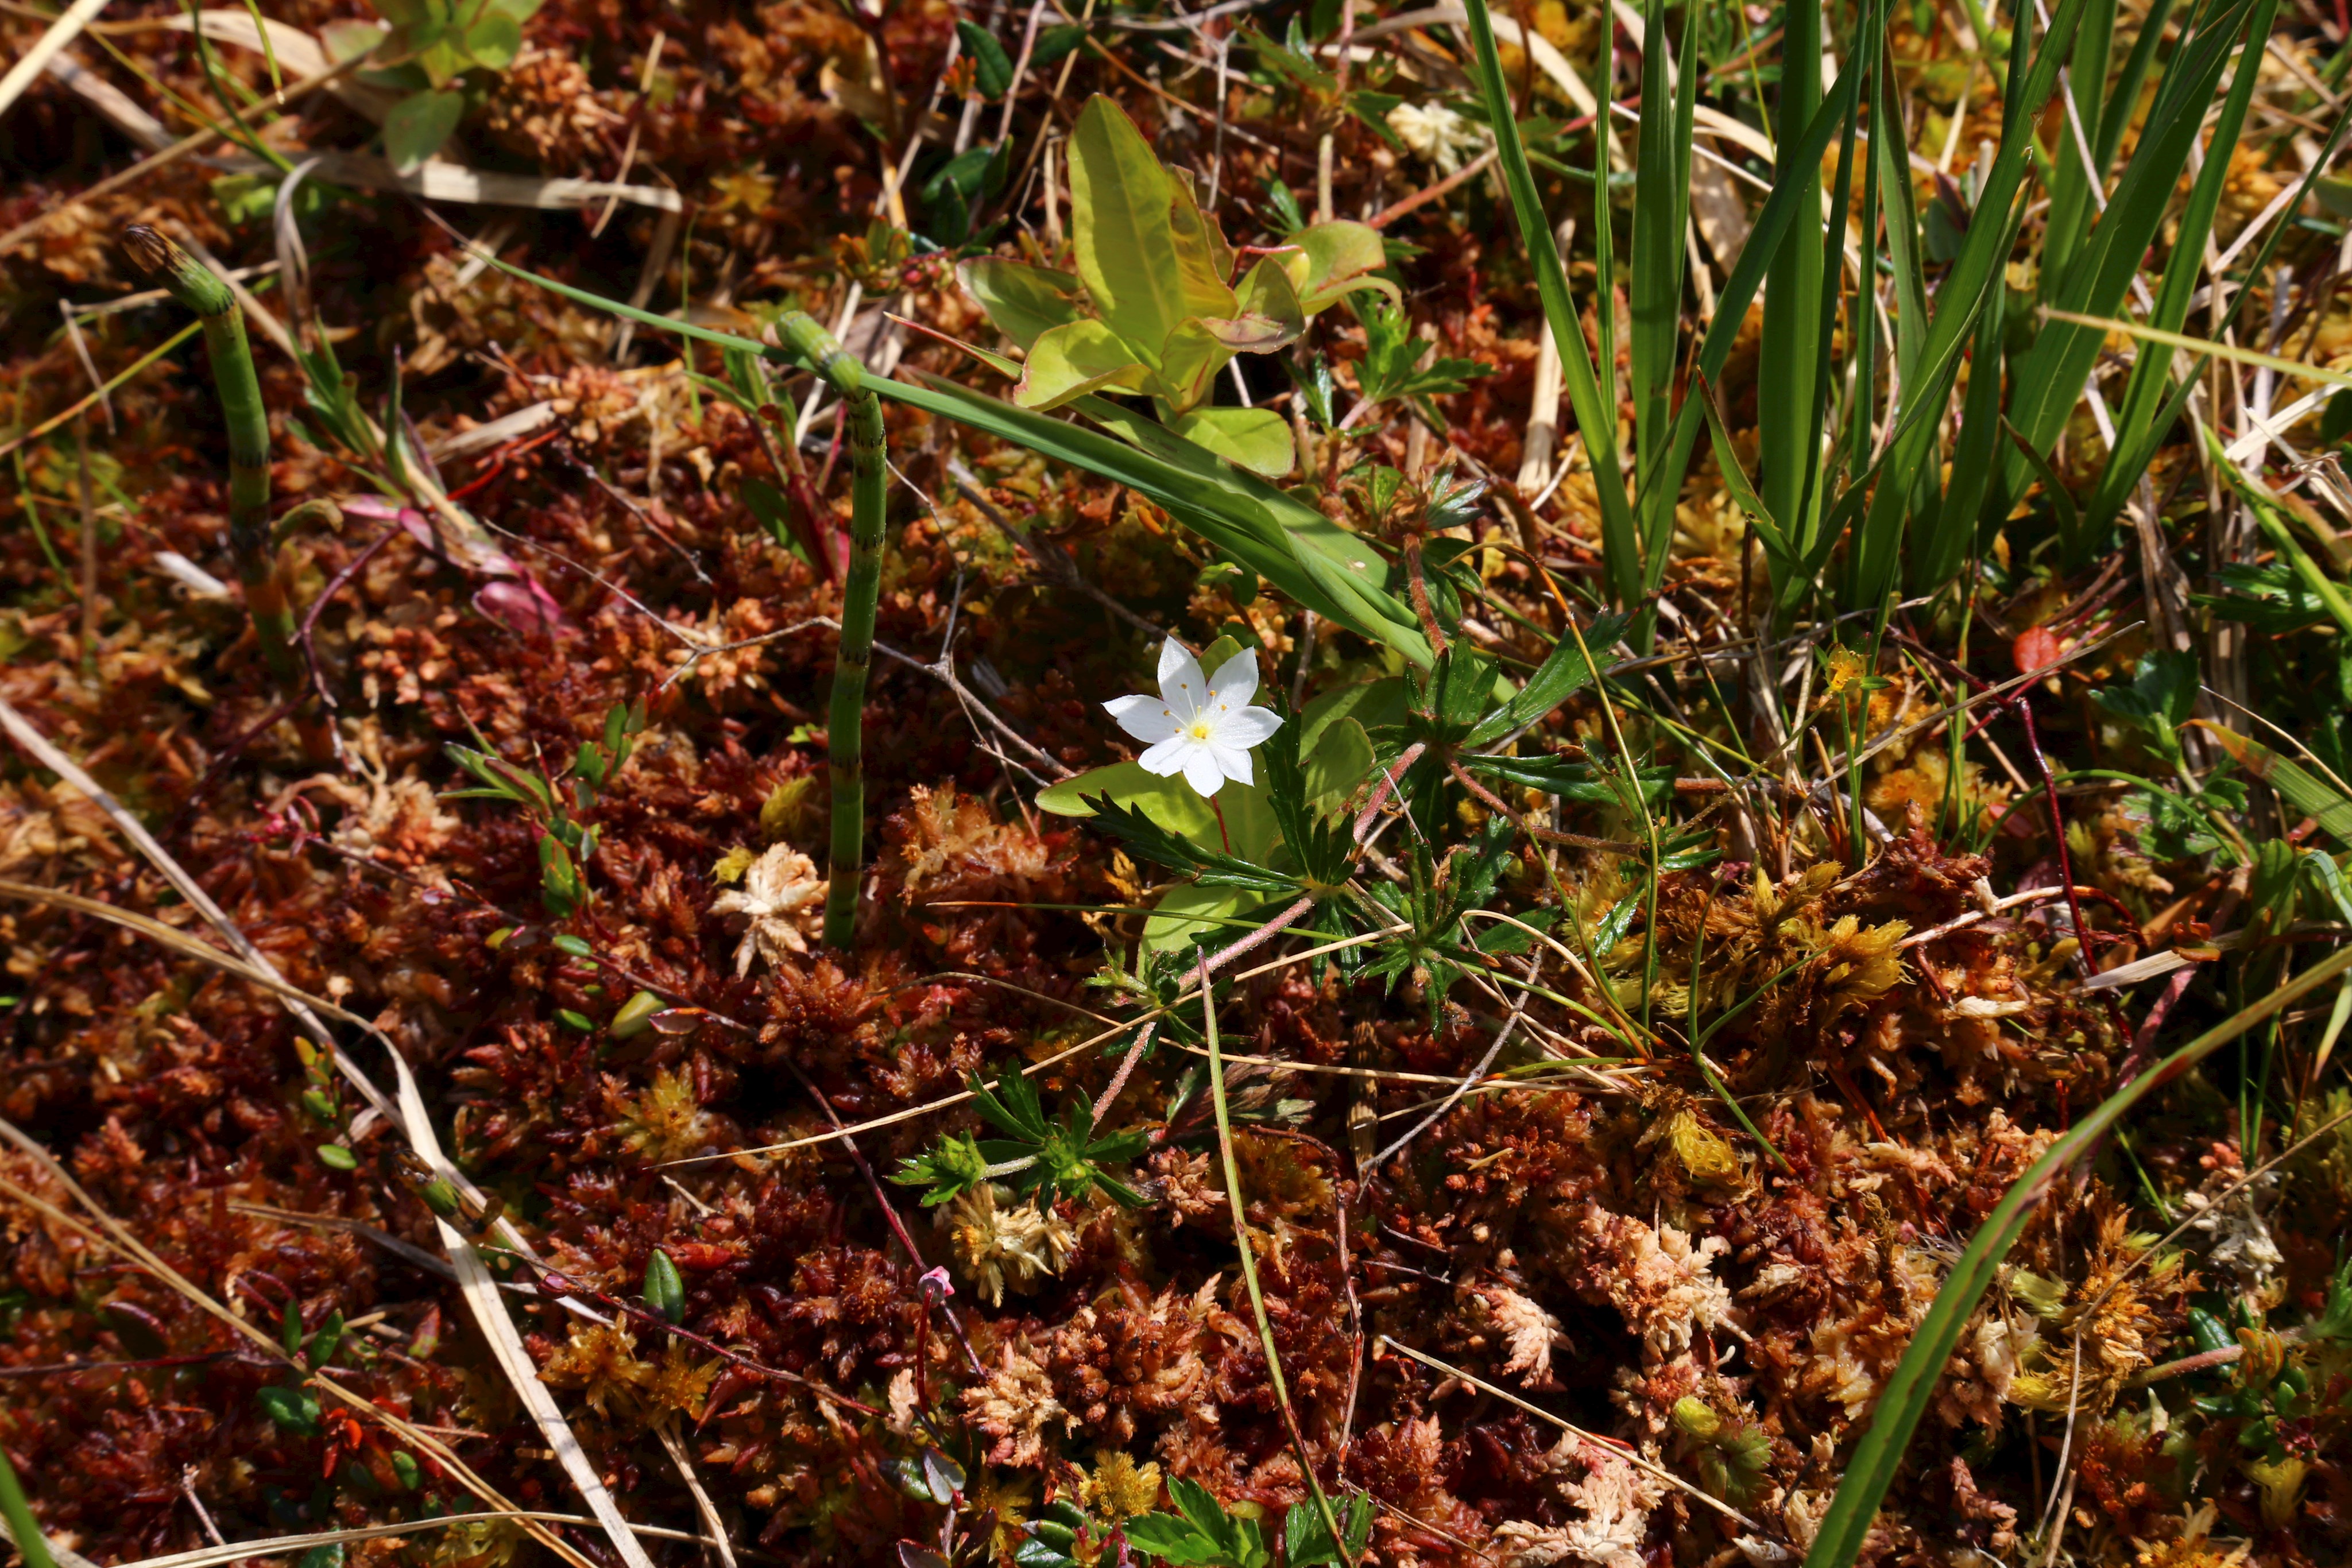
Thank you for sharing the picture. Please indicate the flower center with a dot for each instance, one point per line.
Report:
(1199, 730)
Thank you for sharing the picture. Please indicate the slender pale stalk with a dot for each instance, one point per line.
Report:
(1249, 1261)
(861, 592)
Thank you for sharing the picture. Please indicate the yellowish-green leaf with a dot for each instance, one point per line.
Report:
(1335, 259)
(1189, 913)
(1203, 256)
(1266, 290)
(1075, 359)
(2298, 786)
(1256, 439)
(1022, 301)
(1121, 204)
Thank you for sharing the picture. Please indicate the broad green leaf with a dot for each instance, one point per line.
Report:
(1266, 290)
(1903, 1399)
(494, 41)
(1120, 213)
(1371, 704)
(1075, 359)
(1290, 544)
(1256, 439)
(1024, 302)
(1191, 912)
(1169, 802)
(1339, 761)
(1336, 259)
(1203, 259)
(1197, 350)
(417, 127)
(1172, 804)
(348, 40)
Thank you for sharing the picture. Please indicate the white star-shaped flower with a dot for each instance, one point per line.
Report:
(1200, 728)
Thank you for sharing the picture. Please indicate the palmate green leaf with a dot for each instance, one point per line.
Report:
(1290, 544)
(1561, 677)
(1905, 1397)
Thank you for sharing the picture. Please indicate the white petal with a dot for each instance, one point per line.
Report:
(1235, 682)
(1181, 686)
(1232, 761)
(1202, 772)
(1246, 726)
(1144, 717)
(1169, 756)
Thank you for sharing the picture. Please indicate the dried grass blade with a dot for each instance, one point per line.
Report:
(473, 1277)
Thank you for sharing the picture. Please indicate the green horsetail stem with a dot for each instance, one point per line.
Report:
(201, 290)
(861, 591)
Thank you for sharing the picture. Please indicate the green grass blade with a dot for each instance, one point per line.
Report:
(1903, 1398)
(21, 1523)
(1596, 419)
(1661, 221)
(1790, 368)
(1977, 270)
(2124, 98)
(1945, 541)
(1661, 186)
(2071, 198)
(2049, 376)
(2151, 402)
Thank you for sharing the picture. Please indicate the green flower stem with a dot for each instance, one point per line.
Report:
(202, 291)
(861, 592)
(1249, 1262)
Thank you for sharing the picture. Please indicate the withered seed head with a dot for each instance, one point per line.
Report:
(191, 282)
(149, 251)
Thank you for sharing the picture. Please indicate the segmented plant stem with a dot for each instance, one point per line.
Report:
(195, 286)
(844, 734)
